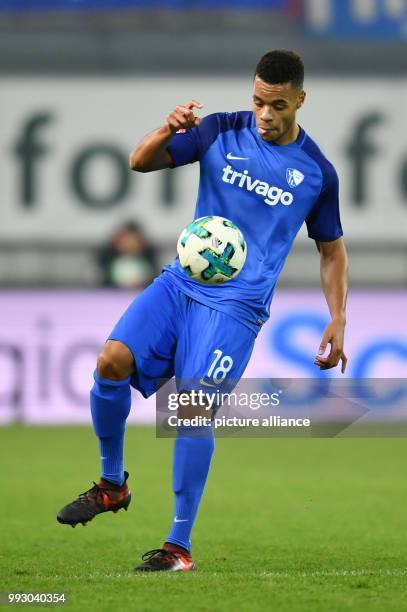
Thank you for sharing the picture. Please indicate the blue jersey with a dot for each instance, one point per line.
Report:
(268, 191)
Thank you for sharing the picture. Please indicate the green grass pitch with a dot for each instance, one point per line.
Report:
(285, 524)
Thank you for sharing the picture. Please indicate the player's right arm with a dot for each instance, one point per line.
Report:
(151, 153)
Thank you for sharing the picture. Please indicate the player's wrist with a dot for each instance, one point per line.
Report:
(339, 319)
(168, 130)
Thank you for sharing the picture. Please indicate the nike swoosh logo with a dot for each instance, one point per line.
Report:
(230, 156)
(177, 520)
(207, 384)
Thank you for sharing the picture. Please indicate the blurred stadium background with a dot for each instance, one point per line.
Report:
(83, 80)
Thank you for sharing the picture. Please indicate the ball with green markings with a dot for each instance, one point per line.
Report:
(212, 250)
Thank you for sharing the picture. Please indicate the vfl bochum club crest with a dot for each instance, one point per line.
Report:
(294, 177)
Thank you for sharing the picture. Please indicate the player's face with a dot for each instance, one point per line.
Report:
(275, 108)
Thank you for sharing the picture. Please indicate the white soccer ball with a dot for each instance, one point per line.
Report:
(212, 250)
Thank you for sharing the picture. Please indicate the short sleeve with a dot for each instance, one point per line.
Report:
(189, 146)
(323, 222)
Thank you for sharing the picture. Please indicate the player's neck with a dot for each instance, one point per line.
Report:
(290, 136)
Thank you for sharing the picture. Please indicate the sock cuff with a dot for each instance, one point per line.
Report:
(110, 383)
(190, 431)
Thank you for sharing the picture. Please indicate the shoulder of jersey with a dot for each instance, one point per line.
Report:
(228, 121)
(313, 150)
(236, 120)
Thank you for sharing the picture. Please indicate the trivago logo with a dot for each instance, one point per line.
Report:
(274, 195)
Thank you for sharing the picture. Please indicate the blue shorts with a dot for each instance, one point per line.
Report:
(171, 334)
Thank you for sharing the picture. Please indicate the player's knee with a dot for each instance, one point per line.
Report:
(115, 361)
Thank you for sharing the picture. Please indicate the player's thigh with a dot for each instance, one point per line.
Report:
(214, 348)
(149, 328)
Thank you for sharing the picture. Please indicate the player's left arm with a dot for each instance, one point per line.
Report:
(334, 278)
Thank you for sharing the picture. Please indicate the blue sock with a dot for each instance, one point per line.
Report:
(110, 402)
(192, 458)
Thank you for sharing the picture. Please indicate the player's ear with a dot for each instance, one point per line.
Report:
(301, 99)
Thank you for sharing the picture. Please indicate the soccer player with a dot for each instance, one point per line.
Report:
(262, 171)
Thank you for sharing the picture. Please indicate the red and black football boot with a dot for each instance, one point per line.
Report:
(103, 497)
(169, 558)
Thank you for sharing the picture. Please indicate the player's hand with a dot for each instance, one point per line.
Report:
(333, 335)
(182, 117)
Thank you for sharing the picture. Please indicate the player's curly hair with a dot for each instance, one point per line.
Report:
(281, 66)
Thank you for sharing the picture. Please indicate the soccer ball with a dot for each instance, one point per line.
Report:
(212, 250)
